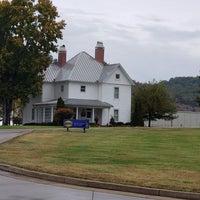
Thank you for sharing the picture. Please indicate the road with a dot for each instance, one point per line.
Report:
(14, 187)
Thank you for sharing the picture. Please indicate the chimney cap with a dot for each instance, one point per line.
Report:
(99, 45)
(62, 48)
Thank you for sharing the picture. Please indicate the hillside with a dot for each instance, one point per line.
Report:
(184, 90)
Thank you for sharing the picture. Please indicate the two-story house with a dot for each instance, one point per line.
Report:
(88, 85)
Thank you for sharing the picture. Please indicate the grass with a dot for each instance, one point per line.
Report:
(161, 158)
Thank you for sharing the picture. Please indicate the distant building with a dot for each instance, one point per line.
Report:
(88, 85)
(185, 119)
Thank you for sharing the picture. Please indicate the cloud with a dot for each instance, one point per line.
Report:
(167, 34)
(148, 45)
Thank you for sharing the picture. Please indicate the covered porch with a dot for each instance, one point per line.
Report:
(83, 109)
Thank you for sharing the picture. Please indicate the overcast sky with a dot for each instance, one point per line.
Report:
(152, 39)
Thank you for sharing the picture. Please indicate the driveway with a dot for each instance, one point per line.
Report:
(6, 135)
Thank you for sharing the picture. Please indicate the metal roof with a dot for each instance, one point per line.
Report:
(87, 103)
(82, 67)
(51, 73)
(78, 102)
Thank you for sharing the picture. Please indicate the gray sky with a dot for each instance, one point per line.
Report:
(152, 39)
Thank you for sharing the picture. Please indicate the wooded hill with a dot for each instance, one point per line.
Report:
(185, 91)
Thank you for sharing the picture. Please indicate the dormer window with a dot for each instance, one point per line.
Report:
(117, 76)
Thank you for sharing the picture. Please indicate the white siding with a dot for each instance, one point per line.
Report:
(91, 90)
(123, 104)
(122, 80)
(27, 110)
(47, 91)
(58, 92)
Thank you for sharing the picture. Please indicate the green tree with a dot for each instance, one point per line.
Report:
(29, 31)
(152, 101)
(60, 103)
(137, 116)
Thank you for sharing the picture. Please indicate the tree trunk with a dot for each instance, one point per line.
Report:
(7, 108)
(149, 119)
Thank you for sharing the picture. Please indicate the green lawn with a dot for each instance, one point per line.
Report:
(163, 158)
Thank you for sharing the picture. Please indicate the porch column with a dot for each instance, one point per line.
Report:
(108, 115)
(52, 114)
(92, 115)
(76, 112)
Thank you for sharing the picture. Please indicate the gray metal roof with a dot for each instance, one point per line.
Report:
(51, 73)
(78, 102)
(81, 67)
(87, 103)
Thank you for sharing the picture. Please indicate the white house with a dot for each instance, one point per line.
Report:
(185, 119)
(88, 85)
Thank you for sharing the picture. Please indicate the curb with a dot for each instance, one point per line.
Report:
(101, 185)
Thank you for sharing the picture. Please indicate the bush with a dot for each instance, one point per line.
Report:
(17, 120)
(61, 114)
(39, 124)
(120, 124)
(112, 121)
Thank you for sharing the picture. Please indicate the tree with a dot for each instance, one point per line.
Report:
(60, 103)
(28, 33)
(61, 114)
(152, 101)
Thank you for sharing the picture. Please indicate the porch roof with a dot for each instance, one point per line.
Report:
(77, 103)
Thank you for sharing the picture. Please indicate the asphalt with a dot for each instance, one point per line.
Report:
(89, 183)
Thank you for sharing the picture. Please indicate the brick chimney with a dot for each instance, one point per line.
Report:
(62, 56)
(99, 52)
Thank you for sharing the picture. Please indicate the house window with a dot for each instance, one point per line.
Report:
(116, 93)
(40, 115)
(89, 113)
(47, 114)
(33, 113)
(116, 115)
(117, 76)
(62, 88)
(83, 88)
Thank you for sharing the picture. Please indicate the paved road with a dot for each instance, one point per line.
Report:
(19, 188)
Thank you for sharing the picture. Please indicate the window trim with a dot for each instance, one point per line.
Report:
(117, 76)
(116, 117)
(116, 92)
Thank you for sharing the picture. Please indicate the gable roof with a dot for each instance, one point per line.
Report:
(82, 67)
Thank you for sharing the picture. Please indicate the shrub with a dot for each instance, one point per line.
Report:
(112, 121)
(17, 120)
(61, 114)
(120, 124)
(60, 103)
